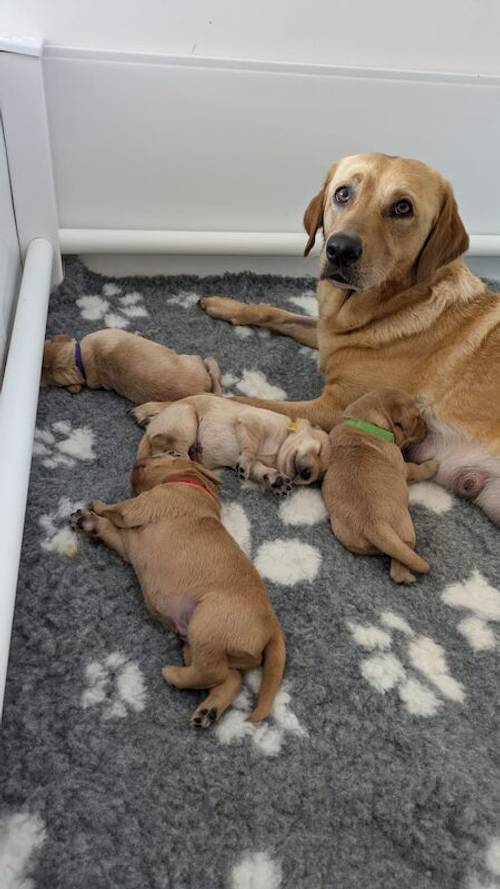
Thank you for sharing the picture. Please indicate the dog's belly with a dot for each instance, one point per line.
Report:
(174, 611)
(465, 466)
(218, 444)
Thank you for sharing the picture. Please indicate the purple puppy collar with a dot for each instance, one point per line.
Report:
(79, 360)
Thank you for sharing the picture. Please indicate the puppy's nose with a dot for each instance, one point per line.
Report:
(344, 249)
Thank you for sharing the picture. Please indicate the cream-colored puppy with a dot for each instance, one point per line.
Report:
(261, 445)
(129, 364)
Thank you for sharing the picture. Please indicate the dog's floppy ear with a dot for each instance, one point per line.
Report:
(313, 216)
(313, 219)
(446, 241)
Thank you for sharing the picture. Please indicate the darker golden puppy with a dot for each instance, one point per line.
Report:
(196, 580)
(366, 484)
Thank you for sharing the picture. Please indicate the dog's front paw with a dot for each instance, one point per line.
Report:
(281, 486)
(84, 520)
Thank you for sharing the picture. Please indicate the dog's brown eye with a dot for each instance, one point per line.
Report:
(342, 194)
(402, 208)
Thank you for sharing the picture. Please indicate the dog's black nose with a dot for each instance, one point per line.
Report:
(343, 249)
(305, 474)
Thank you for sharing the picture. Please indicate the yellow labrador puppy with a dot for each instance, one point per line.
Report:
(398, 306)
(196, 581)
(127, 363)
(259, 444)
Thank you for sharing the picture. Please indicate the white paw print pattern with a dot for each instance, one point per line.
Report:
(267, 737)
(490, 866)
(482, 601)
(64, 444)
(256, 870)
(432, 496)
(113, 307)
(384, 671)
(254, 384)
(22, 835)
(286, 561)
(307, 301)
(115, 684)
(58, 536)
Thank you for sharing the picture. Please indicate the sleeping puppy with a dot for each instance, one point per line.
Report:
(366, 484)
(195, 580)
(131, 365)
(258, 443)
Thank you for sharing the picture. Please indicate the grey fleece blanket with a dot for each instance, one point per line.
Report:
(379, 766)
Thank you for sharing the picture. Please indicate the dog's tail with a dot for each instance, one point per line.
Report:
(213, 369)
(387, 541)
(272, 674)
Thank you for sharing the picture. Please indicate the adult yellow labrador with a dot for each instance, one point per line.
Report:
(398, 307)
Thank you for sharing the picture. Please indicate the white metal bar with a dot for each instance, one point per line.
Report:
(18, 404)
(29, 156)
(90, 240)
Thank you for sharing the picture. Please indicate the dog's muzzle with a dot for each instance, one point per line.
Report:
(343, 252)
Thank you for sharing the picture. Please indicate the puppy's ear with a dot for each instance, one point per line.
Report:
(159, 444)
(208, 474)
(325, 450)
(62, 338)
(313, 216)
(405, 418)
(446, 241)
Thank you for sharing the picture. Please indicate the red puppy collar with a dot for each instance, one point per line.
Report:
(196, 483)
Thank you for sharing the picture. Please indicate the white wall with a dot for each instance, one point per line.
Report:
(424, 35)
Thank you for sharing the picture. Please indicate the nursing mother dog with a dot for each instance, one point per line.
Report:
(399, 307)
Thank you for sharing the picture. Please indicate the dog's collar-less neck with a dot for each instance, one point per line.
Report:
(79, 360)
(194, 482)
(377, 431)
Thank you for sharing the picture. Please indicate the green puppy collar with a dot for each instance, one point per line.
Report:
(377, 431)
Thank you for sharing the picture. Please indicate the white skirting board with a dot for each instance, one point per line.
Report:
(18, 403)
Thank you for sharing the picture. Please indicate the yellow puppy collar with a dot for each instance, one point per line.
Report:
(293, 426)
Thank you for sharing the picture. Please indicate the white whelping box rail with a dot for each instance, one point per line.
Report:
(227, 243)
(18, 404)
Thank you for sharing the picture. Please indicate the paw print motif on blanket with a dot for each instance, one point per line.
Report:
(385, 671)
(58, 536)
(253, 383)
(64, 444)
(266, 737)
(116, 684)
(256, 870)
(482, 601)
(115, 308)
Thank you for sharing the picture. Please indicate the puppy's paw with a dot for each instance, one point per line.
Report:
(203, 717)
(143, 414)
(84, 520)
(281, 486)
(242, 471)
(432, 466)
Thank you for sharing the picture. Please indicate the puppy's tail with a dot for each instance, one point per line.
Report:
(213, 369)
(387, 541)
(272, 674)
